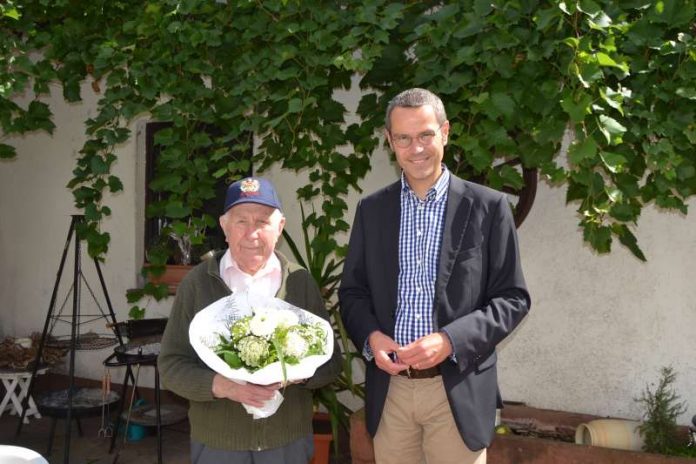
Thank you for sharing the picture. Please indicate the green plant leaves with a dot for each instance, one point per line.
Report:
(611, 129)
(619, 76)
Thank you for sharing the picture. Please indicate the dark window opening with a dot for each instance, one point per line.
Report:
(215, 239)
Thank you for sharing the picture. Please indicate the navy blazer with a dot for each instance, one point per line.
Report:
(480, 296)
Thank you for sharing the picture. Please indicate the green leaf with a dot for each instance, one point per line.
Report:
(295, 105)
(577, 107)
(673, 13)
(135, 294)
(115, 184)
(232, 359)
(503, 103)
(98, 166)
(71, 90)
(611, 128)
(598, 236)
(39, 116)
(11, 13)
(589, 72)
(605, 60)
(689, 92)
(546, 17)
(136, 312)
(177, 210)
(623, 212)
(614, 162)
(629, 240)
(7, 151)
(581, 150)
(589, 7)
(612, 98)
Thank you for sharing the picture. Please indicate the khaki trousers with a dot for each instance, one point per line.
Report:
(417, 426)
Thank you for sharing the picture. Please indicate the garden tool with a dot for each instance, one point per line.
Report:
(106, 431)
(128, 416)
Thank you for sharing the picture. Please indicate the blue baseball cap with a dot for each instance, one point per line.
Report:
(252, 190)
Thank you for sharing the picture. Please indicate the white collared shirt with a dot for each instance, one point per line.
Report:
(266, 281)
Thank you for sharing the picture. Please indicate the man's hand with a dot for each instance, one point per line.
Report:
(382, 346)
(426, 352)
(249, 394)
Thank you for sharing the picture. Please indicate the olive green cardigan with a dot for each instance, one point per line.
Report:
(222, 423)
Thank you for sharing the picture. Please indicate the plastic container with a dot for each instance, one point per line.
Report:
(18, 455)
(610, 433)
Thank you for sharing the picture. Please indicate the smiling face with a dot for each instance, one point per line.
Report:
(421, 162)
(252, 231)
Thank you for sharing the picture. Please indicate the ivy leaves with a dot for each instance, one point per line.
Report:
(515, 77)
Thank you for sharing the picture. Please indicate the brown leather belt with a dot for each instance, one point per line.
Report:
(421, 373)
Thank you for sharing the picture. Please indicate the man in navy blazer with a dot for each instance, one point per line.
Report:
(431, 284)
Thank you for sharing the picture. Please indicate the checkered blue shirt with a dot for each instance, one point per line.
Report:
(420, 237)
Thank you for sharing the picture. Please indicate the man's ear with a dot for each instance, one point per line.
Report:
(444, 130)
(388, 137)
(223, 220)
(281, 225)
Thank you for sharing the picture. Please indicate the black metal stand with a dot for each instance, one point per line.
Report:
(142, 351)
(146, 360)
(75, 322)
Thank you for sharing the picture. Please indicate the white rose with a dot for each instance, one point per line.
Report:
(264, 322)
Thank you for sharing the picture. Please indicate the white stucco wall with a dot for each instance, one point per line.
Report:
(600, 328)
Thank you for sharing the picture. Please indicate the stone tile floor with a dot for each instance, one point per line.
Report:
(92, 449)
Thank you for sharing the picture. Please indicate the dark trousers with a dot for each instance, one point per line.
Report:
(298, 452)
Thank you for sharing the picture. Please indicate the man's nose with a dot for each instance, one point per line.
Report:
(417, 146)
(252, 232)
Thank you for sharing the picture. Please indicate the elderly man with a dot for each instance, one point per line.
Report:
(221, 430)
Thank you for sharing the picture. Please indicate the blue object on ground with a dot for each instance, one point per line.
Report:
(136, 432)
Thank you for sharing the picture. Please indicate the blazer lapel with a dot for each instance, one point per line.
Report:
(390, 242)
(456, 221)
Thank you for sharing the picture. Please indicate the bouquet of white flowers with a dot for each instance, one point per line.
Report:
(270, 335)
(262, 340)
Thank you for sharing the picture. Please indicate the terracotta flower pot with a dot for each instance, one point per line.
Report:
(173, 274)
(362, 450)
(322, 447)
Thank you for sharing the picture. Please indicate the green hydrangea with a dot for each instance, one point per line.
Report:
(240, 329)
(253, 350)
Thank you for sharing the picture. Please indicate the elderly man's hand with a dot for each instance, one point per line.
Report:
(382, 347)
(249, 393)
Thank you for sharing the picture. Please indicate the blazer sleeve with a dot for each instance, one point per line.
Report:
(506, 300)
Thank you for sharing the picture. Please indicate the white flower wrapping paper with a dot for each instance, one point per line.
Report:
(216, 318)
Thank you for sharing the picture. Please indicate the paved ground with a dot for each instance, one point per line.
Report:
(92, 449)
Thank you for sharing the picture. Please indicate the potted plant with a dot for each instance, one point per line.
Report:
(661, 408)
(323, 258)
(176, 250)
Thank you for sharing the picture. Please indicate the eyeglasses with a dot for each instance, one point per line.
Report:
(405, 141)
